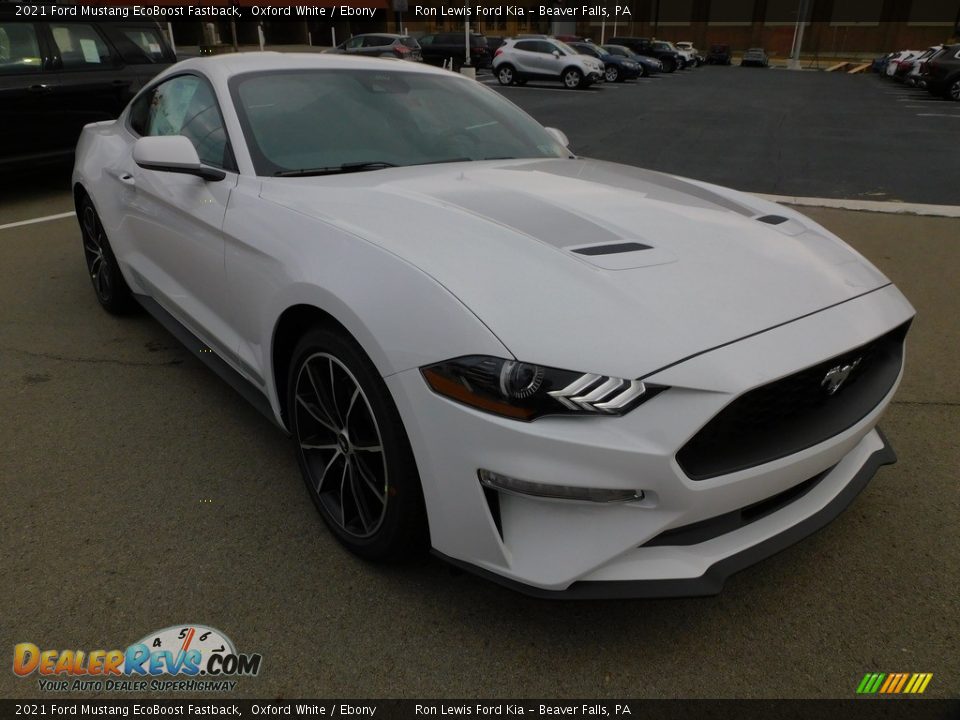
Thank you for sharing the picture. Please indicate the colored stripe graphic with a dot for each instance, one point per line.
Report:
(894, 683)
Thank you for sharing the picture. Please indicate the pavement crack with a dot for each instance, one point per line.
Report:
(91, 360)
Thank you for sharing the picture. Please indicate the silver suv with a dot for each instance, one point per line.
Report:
(519, 60)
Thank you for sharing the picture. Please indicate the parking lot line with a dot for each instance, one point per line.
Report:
(32, 221)
(937, 115)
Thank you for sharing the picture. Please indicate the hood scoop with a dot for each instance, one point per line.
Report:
(611, 249)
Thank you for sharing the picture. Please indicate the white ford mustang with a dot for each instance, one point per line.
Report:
(574, 377)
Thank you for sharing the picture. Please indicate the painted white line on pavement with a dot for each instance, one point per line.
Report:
(951, 211)
(937, 115)
(33, 221)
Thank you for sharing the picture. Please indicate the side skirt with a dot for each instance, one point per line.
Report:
(209, 358)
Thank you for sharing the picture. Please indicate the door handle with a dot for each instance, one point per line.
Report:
(127, 179)
(39, 88)
(120, 83)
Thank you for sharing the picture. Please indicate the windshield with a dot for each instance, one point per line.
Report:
(662, 46)
(309, 119)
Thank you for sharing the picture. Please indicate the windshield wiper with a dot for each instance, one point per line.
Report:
(345, 168)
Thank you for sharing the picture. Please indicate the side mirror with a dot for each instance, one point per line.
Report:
(172, 153)
(559, 136)
(556, 53)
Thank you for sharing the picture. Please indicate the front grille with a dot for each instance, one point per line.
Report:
(795, 412)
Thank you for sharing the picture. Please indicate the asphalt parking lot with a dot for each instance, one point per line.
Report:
(140, 491)
(773, 131)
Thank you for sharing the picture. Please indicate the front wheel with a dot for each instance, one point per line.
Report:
(611, 74)
(506, 75)
(111, 289)
(353, 450)
(572, 78)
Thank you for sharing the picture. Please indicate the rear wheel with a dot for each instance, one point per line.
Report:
(111, 289)
(572, 78)
(953, 91)
(353, 450)
(669, 66)
(506, 75)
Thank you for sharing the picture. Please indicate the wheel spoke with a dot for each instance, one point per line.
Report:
(95, 266)
(308, 446)
(90, 223)
(363, 512)
(322, 400)
(316, 417)
(369, 448)
(333, 395)
(343, 509)
(363, 472)
(353, 400)
(323, 475)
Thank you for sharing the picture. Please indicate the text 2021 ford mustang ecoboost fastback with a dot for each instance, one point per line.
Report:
(574, 377)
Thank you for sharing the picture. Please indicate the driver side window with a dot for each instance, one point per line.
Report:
(185, 106)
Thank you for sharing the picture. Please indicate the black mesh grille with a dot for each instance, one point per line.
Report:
(795, 412)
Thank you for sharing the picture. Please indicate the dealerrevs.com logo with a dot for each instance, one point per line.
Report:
(204, 657)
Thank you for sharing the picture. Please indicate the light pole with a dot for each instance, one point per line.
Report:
(794, 63)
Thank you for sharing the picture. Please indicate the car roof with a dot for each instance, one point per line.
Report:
(223, 67)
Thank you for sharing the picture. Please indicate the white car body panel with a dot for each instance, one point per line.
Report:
(427, 263)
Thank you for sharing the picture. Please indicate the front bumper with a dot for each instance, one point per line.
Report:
(715, 577)
(558, 548)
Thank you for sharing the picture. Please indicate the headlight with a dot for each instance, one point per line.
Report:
(524, 391)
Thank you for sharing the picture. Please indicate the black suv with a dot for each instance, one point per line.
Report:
(55, 77)
(719, 54)
(670, 59)
(942, 73)
(436, 49)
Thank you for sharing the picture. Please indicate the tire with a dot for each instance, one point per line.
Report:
(111, 289)
(669, 66)
(953, 90)
(644, 72)
(572, 79)
(506, 75)
(352, 449)
(611, 73)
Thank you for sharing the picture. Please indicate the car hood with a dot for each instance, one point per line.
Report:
(667, 267)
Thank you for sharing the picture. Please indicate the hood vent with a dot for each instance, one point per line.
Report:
(611, 249)
(772, 219)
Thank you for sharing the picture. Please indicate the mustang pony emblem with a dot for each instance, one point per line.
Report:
(837, 376)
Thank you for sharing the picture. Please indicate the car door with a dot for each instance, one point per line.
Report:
(550, 59)
(29, 125)
(94, 84)
(376, 45)
(173, 222)
(525, 56)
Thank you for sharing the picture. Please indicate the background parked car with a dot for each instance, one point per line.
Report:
(943, 73)
(755, 56)
(517, 61)
(57, 77)
(442, 47)
(893, 63)
(381, 45)
(719, 54)
(687, 58)
(915, 78)
(616, 68)
(670, 59)
(648, 65)
(689, 50)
